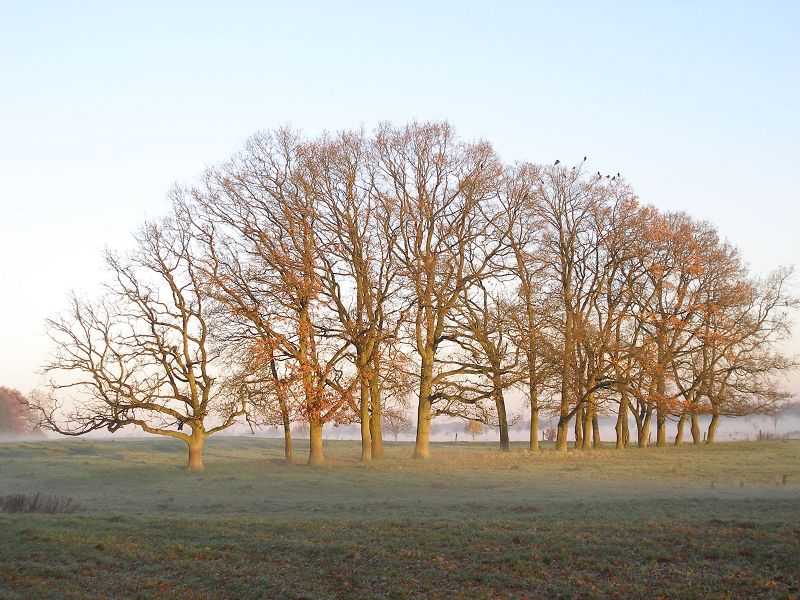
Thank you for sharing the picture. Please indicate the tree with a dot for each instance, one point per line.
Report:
(358, 272)
(396, 421)
(672, 260)
(604, 313)
(485, 361)
(569, 204)
(522, 227)
(437, 189)
(722, 286)
(15, 417)
(739, 344)
(474, 428)
(141, 355)
(274, 397)
(269, 275)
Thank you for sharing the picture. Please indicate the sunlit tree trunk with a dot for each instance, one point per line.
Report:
(195, 444)
(375, 425)
(661, 408)
(586, 426)
(644, 428)
(695, 428)
(712, 427)
(366, 438)
(621, 427)
(661, 427)
(422, 443)
(284, 409)
(315, 454)
(500, 404)
(287, 436)
(596, 441)
(532, 355)
(534, 441)
(679, 433)
(579, 428)
(562, 432)
(566, 357)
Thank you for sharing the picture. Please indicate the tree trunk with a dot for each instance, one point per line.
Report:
(287, 439)
(500, 404)
(375, 425)
(596, 441)
(661, 426)
(586, 430)
(679, 434)
(195, 444)
(284, 408)
(561, 437)
(315, 454)
(622, 421)
(534, 442)
(695, 428)
(531, 354)
(712, 428)
(366, 440)
(661, 383)
(644, 430)
(422, 444)
(566, 361)
(626, 434)
(579, 429)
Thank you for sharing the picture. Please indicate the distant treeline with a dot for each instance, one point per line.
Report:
(16, 419)
(345, 277)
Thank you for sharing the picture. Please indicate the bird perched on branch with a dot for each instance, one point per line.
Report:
(555, 163)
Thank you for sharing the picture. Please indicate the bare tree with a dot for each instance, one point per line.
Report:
(743, 366)
(358, 272)
(396, 421)
(605, 309)
(486, 362)
(142, 354)
(668, 297)
(521, 225)
(274, 392)
(270, 277)
(437, 189)
(568, 203)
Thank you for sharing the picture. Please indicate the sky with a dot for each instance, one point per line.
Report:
(104, 106)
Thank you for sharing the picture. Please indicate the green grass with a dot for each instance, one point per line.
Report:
(705, 522)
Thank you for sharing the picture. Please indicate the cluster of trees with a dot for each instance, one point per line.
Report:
(339, 278)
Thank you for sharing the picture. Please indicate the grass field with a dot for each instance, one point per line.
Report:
(706, 522)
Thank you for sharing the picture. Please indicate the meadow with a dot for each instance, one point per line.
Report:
(689, 522)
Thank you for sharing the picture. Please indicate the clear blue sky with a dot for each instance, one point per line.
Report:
(103, 107)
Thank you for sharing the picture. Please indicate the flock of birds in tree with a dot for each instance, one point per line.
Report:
(558, 162)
